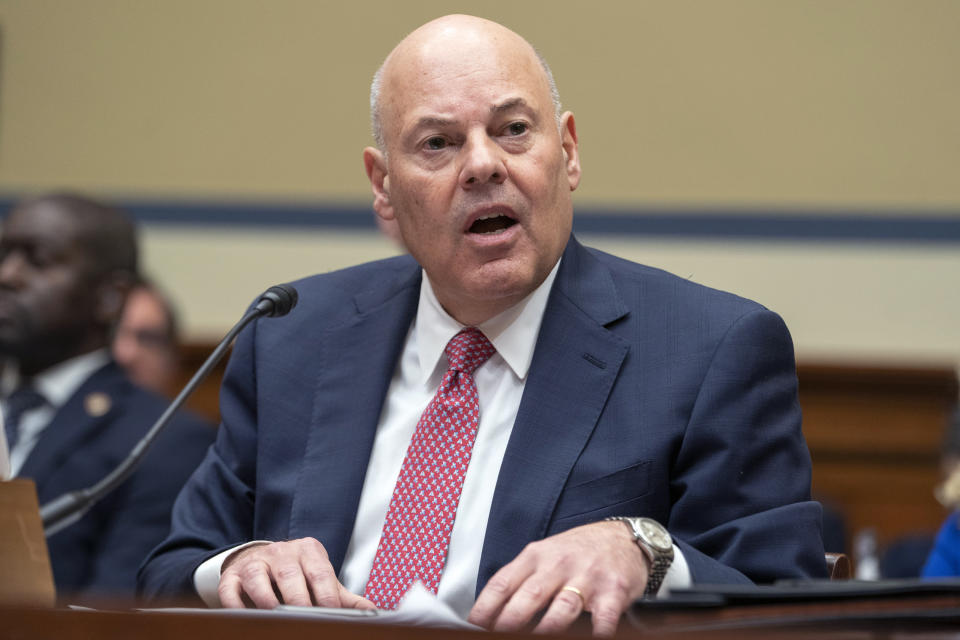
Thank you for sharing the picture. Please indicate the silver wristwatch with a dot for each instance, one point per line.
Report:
(656, 544)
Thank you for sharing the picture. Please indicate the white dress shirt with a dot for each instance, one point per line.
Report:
(500, 383)
(57, 384)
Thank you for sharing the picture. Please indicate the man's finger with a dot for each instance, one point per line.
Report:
(349, 600)
(565, 608)
(605, 612)
(256, 583)
(530, 597)
(229, 591)
(497, 592)
(291, 584)
(323, 582)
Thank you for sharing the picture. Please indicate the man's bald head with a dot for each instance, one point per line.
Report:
(457, 29)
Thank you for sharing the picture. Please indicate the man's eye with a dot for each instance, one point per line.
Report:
(30, 255)
(435, 143)
(517, 128)
(37, 258)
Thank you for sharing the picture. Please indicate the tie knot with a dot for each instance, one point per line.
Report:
(468, 350)
(24, 399)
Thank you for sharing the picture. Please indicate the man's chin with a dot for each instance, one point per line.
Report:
(506, 279)
(11, 341)
(488, 299)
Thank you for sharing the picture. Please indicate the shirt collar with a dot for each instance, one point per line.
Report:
(61, 381)
(513, 332)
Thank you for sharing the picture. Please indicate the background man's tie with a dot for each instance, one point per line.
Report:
(20, 401)
(416, 533)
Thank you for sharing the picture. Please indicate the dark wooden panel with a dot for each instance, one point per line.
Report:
(875, 436)
(855, 410)
(206, 400)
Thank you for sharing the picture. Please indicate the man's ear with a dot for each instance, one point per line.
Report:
(571, 150)
(375, 164)
(110, 295)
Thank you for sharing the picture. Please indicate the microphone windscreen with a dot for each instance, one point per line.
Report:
(277, 301)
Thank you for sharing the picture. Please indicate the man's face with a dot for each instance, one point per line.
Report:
(142, 343)
(46, 291)
(476, 173)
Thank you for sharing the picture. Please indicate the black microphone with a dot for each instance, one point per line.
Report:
(277, 301)
(68, 508)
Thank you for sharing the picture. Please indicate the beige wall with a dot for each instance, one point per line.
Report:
(827, 104)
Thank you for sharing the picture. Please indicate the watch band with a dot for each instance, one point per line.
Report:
(656, 543)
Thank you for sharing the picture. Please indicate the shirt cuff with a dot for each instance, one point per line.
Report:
(678, 575)
(206, 577)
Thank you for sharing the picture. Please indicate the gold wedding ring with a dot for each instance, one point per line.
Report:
(579, 593)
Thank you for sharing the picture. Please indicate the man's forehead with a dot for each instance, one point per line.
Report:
(43, 223)
(458, 46)
(491, 85)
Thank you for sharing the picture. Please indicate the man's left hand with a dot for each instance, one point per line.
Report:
(600, 561)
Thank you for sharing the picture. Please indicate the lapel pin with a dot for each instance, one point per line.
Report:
(96, 404)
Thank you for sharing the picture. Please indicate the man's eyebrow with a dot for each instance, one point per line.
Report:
(438, 121)
(508, 105)
(433, 121)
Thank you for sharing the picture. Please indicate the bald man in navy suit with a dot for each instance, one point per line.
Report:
(615, 390)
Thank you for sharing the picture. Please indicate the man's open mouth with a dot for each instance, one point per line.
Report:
(492, 224)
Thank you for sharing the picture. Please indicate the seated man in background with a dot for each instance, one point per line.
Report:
(587, 428)
(71, 414)
(145, 342)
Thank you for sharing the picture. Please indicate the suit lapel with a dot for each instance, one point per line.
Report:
(357, 363)
(575, 364)
(84, 415)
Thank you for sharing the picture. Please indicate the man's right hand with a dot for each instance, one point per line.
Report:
(297, 572)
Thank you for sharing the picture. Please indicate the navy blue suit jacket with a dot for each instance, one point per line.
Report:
(99, 554)
(647, 395)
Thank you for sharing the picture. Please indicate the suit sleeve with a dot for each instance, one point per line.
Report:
(144, 502)
(215, 509)
(741, 479)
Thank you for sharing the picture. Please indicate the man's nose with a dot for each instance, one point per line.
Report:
(483, 162)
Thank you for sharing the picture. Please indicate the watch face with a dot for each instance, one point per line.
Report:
(655, 534)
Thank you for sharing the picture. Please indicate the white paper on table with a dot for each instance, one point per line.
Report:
(418, 608)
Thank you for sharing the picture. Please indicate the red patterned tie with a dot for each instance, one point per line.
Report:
(416, 533)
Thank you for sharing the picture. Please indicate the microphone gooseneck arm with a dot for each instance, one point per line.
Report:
(71, 506)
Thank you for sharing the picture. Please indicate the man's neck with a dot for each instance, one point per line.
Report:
(472, 313)
(38, 362)
(59, 381)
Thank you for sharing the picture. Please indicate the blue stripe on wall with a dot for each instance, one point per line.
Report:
(702, 224)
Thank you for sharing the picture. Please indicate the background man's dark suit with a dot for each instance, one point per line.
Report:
(100, 553)
(648, 395)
